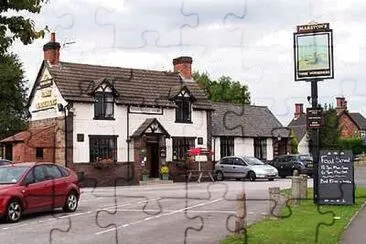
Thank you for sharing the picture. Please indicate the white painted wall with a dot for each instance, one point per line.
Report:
(242, 147)
(239, 146)
(248, 147)
(40, 96)
(216, 148)
(198, 127)
(84, 124)
(303, 146)
(269, 148)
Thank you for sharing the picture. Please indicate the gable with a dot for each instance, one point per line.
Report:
(347, 125)
(45, 99)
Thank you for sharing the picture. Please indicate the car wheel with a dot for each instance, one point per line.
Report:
(71, 203)
(251, 176)
(270, 179)
(295, 172)
(14, 211)
(219, 176)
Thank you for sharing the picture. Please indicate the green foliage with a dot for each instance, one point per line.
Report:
(224, 89)
(18, 27)
(13, 93)
(329, 133)
(353, 143)
(297, 223)
(294, 142)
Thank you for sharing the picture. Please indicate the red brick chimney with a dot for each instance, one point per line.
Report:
(183, 65)
(341, 104)
(299, 110)
(51, 50)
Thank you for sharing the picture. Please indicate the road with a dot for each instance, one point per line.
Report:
(177, 213)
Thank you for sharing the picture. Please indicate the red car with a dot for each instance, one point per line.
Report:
(35, 187)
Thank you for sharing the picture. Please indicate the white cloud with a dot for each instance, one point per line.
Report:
(249, 40)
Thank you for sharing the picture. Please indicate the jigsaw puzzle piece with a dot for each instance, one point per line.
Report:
(152, 25)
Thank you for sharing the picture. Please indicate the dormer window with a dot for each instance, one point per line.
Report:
(104, 105)
(184, 107)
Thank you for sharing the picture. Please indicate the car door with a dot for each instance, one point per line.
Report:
(58, 185)
(240, 168)
(36, 193)
(281, 165)
(226, 167)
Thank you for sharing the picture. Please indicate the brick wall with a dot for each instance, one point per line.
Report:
(54, 143)
(347, 127)
(120, 174)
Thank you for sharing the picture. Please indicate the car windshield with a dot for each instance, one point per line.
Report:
(306, 157)
(253, 161)
(11, 175)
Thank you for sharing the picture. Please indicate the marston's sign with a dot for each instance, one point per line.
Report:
(313, 28)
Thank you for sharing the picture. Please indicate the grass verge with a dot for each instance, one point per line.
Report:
(299, 223)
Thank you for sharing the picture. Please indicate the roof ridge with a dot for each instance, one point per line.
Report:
(239, 104)
(119, 67)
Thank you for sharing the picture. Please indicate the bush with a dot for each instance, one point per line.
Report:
(354, 144)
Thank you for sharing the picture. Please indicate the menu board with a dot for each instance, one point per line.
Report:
(336, 177)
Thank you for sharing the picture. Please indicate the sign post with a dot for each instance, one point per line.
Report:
(313, 59)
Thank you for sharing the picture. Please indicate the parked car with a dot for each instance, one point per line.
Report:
(35, 187)
(241, 167)
(5, 162)
(293, 164)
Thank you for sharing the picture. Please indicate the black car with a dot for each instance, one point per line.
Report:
(293, 164)
(4, 162)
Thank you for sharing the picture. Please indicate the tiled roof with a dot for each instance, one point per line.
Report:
(299, 126)
(135, 86)
(359, 119)
(32, 136)
(246, 121)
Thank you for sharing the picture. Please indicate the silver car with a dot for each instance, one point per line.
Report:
(241, 167)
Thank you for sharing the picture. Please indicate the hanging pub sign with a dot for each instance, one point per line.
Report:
(313, 52)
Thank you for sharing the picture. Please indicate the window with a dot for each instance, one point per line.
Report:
(260, 148)
(226, 146)
(181, 145)
(183, 110)
(39, 152)
(103, 108)
(63, 170)
(102, 147)
(239, 162)
(39, 174)
(227, 161)
(53, 172)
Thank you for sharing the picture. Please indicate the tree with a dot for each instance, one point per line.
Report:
(294, 142)
(13, 94)
(329, 134)
(224, 89)
(18, 27)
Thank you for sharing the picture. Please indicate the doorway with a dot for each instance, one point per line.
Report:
(9, 152)
(154, 160)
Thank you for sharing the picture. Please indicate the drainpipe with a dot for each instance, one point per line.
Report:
(128, 142)
(214, 149)
(66, 108)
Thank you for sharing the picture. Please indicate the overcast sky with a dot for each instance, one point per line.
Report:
(250, 41)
